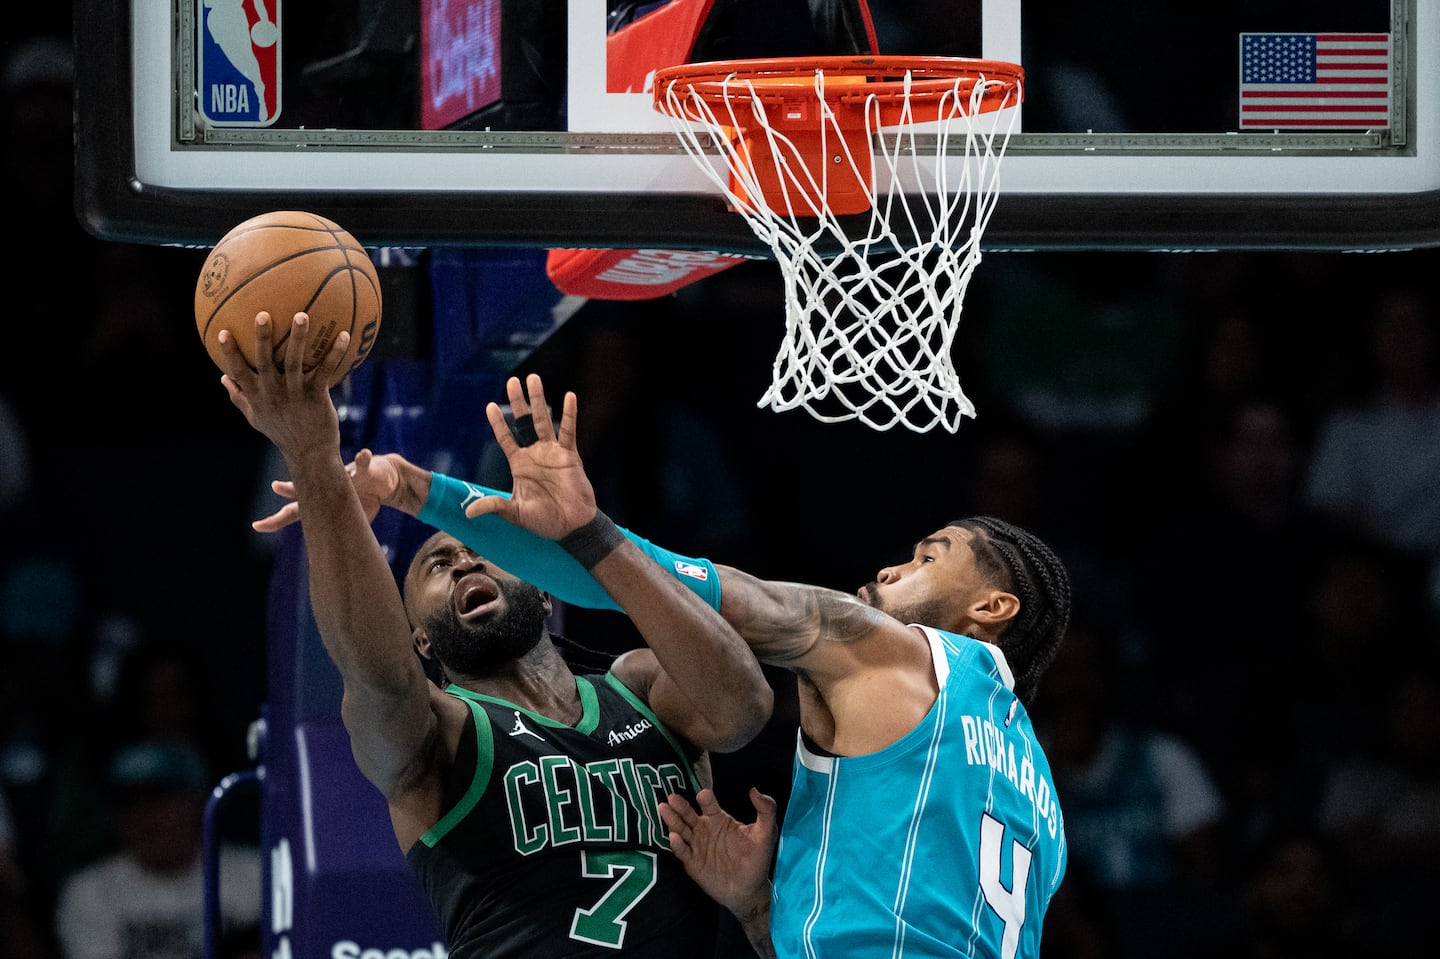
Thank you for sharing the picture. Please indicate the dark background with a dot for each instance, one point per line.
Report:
(1104, 417)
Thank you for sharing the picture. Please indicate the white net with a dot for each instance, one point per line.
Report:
(872, 301)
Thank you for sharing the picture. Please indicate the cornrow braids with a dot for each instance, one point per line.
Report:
(1035, 574)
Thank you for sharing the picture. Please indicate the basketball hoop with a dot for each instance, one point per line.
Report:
(873, 300)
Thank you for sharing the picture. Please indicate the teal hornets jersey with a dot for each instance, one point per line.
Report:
(552, 843)
(947, 843)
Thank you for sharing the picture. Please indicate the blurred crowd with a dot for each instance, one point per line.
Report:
(1237, 453)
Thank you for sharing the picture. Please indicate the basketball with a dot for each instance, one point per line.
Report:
(286, 262)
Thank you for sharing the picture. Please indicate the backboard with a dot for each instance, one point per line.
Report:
(517, 123)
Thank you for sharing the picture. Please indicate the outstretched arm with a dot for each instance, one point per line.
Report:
(357, 605)
(440, 501)
(782, 622)
(728, 859)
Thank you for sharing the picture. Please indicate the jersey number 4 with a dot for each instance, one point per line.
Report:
(633, 874)
(1009, 904)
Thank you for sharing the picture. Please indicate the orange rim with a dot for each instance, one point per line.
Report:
(783, 78)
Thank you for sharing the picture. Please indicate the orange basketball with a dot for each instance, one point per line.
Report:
(286, 262)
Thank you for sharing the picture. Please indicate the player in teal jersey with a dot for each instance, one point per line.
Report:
(922, 820)
(524, 796)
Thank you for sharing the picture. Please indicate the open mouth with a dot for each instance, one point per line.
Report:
(474, 595)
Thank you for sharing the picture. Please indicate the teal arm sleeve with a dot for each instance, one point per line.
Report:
(541, 561)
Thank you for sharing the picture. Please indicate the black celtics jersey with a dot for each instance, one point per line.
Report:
(551, 846)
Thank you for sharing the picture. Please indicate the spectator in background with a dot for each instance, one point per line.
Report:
(43, 619)
(1296, 903)
(146, 901)
(1143, 814)
(164, 691)
(1227, 358)
(1244, 515)
(1380, 804)
(161, 692)
(1376, 463)
(1359, 597)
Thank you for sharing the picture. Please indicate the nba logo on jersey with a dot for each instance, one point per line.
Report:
(239, 61)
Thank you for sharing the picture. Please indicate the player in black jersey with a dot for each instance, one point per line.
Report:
(524, 796)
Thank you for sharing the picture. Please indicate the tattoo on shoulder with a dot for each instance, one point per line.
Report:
(842, 618)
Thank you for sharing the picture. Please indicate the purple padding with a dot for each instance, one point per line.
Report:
(339, 883)
(304, 685)
(347, 822)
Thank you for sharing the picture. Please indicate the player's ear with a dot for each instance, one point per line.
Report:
(421, 641)
(996, 608)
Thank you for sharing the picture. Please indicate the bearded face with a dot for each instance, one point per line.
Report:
(931, 611)
(485, 647)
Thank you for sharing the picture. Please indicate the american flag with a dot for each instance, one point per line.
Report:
(1314, 81)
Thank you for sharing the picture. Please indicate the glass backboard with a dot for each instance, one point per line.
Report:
(1257, 124)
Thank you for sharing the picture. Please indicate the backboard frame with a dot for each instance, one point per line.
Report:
(145, 172)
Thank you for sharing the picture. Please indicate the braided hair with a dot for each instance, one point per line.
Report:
(1023, 564)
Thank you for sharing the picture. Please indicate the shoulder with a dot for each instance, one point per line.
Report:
(637, 670)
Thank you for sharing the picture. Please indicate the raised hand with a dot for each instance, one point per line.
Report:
(376, 480)
(292, 408)
(729, 859)
(550, 494)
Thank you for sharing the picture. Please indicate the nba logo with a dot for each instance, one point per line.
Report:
(239, 82)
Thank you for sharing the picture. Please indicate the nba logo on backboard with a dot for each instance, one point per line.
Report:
(239, 61)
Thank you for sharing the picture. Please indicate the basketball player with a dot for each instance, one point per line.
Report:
(922, 819)
(525, 797)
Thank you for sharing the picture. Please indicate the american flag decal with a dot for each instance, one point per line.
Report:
(1316, 81)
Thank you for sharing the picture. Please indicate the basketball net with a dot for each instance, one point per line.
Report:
(872, 301)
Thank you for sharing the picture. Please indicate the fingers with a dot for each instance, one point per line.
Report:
(526, 427)
(531, 421)
(330, 368)
(483, 505)
(567, 421)
(238, 374)
(709, 805)
(679, 819)
(544, 427)
(765, 807)
(503, 437)
(677, 812)
(278, 520)
(297, 346)
(236, 396)
(264, 345)
(233, 362)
